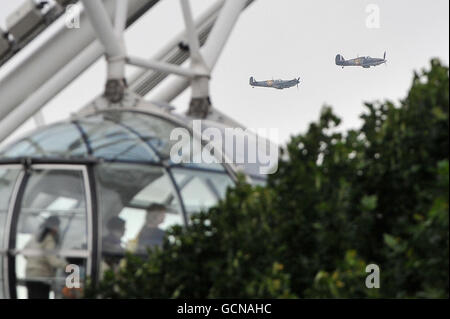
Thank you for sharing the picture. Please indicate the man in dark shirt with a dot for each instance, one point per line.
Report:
(112, 248)
(151, 235)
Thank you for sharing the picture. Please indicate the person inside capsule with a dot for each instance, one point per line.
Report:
(151, 235)
(42, 268)
(113, 250)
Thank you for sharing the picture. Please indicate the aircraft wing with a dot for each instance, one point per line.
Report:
(268, 83)
(260, 83)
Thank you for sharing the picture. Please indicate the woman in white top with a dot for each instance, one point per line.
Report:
(42, 268)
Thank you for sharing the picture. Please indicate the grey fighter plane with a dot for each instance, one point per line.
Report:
(365, 62)
(276, 84)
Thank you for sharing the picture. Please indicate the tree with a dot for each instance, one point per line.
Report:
(339, 201)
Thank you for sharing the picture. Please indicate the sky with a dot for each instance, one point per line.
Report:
(287, 39)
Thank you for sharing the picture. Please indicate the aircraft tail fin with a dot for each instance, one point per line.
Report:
(384, 55)
(252, 80)
(339, 59)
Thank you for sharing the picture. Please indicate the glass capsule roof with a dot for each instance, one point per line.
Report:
(109, 181)
(134, 136)
(117, 136)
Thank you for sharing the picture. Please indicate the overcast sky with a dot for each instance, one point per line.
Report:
(287, 39)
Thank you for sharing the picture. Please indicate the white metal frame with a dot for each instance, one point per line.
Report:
(40, 97)
(89, 218)
(211, 50)
(144, 80)
(34, 77)
(23, 103)
(202, 61)
(110, 37)
(113, 43)
(13, 199)
(203, 23)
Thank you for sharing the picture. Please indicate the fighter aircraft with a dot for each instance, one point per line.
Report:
(365, 62)
(276, 84)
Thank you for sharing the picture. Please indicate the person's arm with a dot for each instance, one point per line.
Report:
(49, 245)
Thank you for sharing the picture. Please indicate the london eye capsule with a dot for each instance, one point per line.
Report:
(81, 193)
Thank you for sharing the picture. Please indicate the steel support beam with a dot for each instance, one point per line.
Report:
(143, 82)
(211, 50)
(111, 39)
(59, 48)
(164, 67)
(199, 85)
(46, 92)
(120, 20)
(222, 30)
(194, 45)
(70, 68)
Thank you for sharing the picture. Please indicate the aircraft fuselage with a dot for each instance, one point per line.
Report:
(276, 84)
(365, 62)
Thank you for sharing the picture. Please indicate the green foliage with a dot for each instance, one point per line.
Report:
(378, 194)
(219, 255)
(347, 281)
